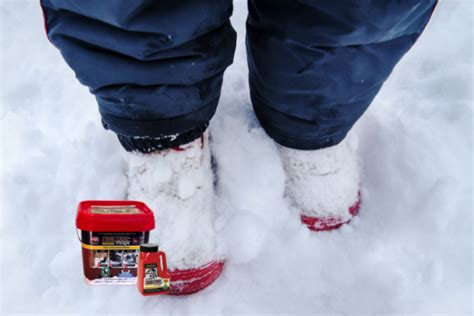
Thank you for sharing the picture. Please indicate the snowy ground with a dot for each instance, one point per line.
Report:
(409, 251)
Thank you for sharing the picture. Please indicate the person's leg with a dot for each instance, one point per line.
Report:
(155, 67)
(156, 70)
(315, 66)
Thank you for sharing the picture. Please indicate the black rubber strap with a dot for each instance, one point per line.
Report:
(145, 144)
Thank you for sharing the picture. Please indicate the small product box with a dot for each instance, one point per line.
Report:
(111, 233)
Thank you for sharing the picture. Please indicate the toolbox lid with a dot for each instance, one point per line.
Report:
(114, 216)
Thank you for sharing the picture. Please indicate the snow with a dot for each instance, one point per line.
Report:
(409, 250)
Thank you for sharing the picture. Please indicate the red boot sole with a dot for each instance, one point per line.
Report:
(184, 282)
(319, 224)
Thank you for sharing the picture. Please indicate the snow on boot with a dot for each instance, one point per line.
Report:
(323, 184)
(177, 184)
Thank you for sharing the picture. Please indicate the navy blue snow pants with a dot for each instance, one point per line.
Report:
(156, 66)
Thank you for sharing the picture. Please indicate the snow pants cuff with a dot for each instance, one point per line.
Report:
(146, 144)
(293, 132)
(152, 134)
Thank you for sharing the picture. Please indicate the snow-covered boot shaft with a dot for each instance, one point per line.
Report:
(177, 184)
(323, 184)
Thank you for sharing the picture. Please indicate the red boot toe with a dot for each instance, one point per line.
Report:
(331, 222)
(190, 281)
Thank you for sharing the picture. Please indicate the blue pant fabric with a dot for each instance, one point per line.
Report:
(156, 67)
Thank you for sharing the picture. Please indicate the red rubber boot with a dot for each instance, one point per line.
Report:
(323, 184)
(178, 185)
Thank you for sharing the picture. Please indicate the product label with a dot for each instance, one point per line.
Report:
(153, 282)
(111, 257)
(123, 209)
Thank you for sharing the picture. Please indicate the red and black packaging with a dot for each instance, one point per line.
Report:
(153, 277)
(111, 233)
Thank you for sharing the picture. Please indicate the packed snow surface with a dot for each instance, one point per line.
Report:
(409, 250)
